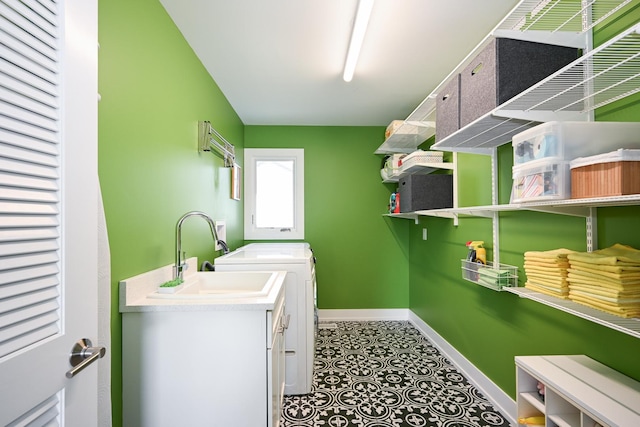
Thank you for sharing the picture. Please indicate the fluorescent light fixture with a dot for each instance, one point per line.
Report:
(357, 37)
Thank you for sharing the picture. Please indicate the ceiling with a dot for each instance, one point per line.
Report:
(279, 62)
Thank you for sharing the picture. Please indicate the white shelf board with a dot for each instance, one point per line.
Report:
(419, 168)
(534, 400)
(566, 420)
(627, 326)
(571, 207)
(578, 207)
(408, 215)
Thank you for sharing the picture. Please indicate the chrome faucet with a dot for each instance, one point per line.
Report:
(180, 262)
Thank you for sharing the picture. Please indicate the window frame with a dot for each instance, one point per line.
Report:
(251, 157)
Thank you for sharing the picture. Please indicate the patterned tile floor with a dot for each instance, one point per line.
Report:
(385, 374)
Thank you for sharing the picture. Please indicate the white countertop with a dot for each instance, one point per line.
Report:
(135, 291)
(267, 253)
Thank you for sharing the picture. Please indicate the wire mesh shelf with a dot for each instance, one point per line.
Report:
(598, 78)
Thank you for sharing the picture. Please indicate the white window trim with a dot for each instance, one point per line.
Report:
(251, 156)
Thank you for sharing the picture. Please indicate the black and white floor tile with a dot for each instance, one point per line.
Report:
(385, 374)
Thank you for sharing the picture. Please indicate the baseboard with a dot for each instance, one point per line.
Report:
(333, 315)
(488, 388)
(502, 401)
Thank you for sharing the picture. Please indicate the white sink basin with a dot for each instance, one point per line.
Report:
(223, 285)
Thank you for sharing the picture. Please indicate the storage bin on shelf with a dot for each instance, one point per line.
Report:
(393, 127)
(568, 140)
(420, 156)
(448, 109)
(610, 174)
(423, 192)
(505, 68)
(541, 180)
(490, 276)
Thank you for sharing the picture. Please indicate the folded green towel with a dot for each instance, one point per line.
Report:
(493, 273)
(490, 283)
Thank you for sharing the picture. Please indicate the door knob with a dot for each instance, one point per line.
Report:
(82, 355)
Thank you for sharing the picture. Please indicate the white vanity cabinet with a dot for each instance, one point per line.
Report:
(203, 363)
(579, 392)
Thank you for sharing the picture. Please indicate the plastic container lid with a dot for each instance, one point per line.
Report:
(621, 155)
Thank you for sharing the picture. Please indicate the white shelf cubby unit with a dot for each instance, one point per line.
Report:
(579, 392)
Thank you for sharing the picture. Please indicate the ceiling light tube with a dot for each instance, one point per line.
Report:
(357, 37)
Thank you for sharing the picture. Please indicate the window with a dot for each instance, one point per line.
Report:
(274, 194)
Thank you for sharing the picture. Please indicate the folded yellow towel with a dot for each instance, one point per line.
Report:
(555, 269)
(626, 312)
(547, 272)
(612, 300)
(602, 281)
(548, 281)
(553, 266)
(541, 262)
(607, 268)
(623, 277)
(607, 292)
(615, 255)
(603, 285)
(552, 254)
(593, 276)
(564, 294)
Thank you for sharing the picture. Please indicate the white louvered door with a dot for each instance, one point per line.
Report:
(48, 209)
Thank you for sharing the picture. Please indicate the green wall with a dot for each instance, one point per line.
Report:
(153, 92)
(362, 256)
(490, 328)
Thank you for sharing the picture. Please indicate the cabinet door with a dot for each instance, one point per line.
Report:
(276, 374)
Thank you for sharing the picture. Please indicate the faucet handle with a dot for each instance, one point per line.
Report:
(184, 265)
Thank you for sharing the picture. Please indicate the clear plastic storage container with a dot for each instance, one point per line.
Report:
(541, 180)
(564, 141)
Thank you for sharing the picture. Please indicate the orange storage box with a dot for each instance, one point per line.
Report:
(610, 174)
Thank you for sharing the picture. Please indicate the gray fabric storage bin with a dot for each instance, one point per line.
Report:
(505, 68)
(448, 109)
(422, 192)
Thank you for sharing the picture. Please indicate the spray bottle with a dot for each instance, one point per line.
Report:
(477, 252)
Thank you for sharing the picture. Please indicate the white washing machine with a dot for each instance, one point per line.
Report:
(300, 287)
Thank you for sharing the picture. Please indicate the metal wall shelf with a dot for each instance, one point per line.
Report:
(601, 76)
(571, 207)
(408, 137)
(627, 326)
(605, 74)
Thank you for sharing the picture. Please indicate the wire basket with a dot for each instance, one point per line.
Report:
(490, 276)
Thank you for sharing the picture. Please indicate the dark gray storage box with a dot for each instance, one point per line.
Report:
(505, 68)
(448, 109)
(422, 192)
